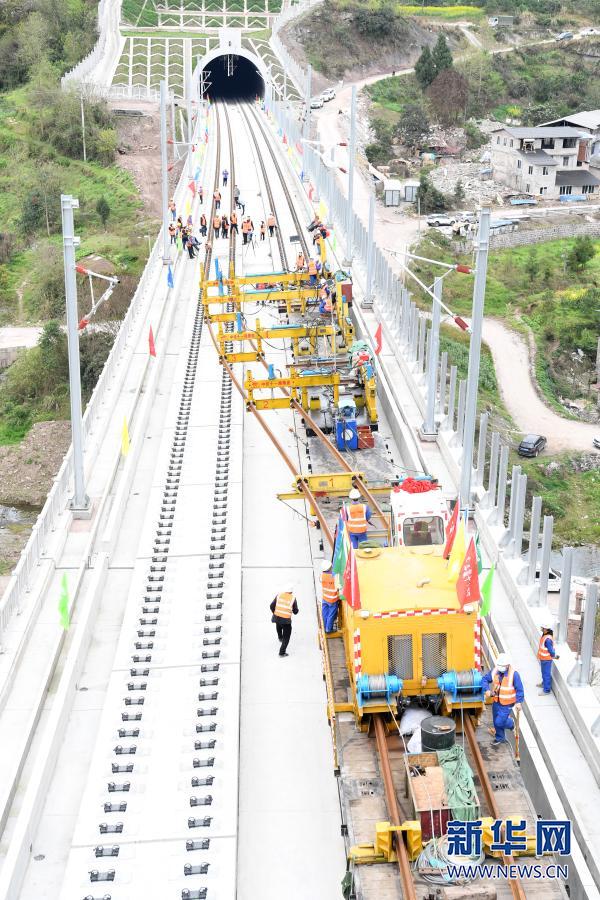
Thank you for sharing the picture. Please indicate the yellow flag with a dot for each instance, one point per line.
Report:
(457, 554)
(125, 439)
(188, 208)
(322, 211)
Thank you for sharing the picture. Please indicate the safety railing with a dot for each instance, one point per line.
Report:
(104, 56)
(55, 506)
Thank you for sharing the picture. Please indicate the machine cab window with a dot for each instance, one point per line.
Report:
(420, 531)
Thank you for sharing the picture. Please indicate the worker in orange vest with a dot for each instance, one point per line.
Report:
(358, 515)
(503, 684)
(283, 606)
(234, 223)
(271, 223)
(546, 653)
(216, 225)
(312, 271)
(217, 199)
(331, 599)
(300, 261)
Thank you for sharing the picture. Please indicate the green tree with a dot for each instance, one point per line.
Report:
(459, 192)
(441, 55)
(380, 150)
(430, 199)
(413, 126)
(103, 210)
(581, 253)
(532, 265)
(425, 68)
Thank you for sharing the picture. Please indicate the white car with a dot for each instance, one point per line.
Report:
(596, 443)
(316, 103)
(328, 94)
(440, 220)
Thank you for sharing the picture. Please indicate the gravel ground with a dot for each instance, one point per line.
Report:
(27, 469)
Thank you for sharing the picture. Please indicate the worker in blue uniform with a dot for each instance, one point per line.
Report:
(358, 515)
(503, 684)
(331, 600)
(546, 654)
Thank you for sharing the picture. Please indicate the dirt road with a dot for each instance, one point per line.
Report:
(511, 359)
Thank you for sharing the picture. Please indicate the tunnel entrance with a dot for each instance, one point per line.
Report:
(233, 78)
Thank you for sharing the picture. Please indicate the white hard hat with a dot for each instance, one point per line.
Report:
(326, 565)
(288, 589)
(503, 661)
(354, 494)
(547, 626)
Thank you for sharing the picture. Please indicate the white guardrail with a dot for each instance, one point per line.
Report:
(98, 67)
(56, 503)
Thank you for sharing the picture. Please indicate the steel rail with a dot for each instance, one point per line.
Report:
(515, 885)
(358, 482)
(408, 886)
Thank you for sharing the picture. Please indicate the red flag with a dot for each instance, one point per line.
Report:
(451, 530)
(351, 590)
(378, 340)
(467, 586)
(151, 344)
(192, 187)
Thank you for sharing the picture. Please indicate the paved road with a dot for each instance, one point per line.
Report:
(511, 359)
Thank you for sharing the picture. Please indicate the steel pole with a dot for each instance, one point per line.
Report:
(565, 595)
(534, 538)
(190, 136)
(80, 503)
(352, 154)
(165, 174)
(432, 362)
(370, 248)
(587, 637)
(174, 131)
(545, 562)
(83, 128)
(483, 243)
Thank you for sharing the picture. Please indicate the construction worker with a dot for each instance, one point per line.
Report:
(172, 233)
(272, 224)
(246, 230)
(217, 199)
(546, 653)
(203, 225)
(200, 194)
(324, 298)
(503, 684)
(283, 606)
(172, 209)
(358, 515)
(331, 600)
(216, 225)
(263, 231)
(236, 194)
(312, 272)
(225, 177)
(300, 261)
(234, 223)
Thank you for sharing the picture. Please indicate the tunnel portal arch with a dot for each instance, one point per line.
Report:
(215, 62)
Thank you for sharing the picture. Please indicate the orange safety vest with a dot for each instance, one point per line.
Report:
(503, 691)
(312, 267)
(357, 518)
(300, 261)
(542, 649)
(217, 222)
(330, 591)
(233, 219)
(283, 606)
(263, 228)
(245, 227)
(217, 195)
(271, 221)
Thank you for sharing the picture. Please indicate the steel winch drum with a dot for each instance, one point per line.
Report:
(438, 733)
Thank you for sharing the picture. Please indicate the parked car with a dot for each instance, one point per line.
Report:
(596, 442)
(554, 578)
(440, 220)
(316, 103)
(565, 36)
(328, 94)
(531, 445)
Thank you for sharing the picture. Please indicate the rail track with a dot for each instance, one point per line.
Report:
(379, 727)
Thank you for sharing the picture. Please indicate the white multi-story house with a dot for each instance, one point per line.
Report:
(587, 122)
(546, 161)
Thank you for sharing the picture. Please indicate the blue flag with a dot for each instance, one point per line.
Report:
(170, 281)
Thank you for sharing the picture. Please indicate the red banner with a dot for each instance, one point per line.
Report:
(378, 340)
(151, 344)
(467, 586)
(351, 590)
(451, 530)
